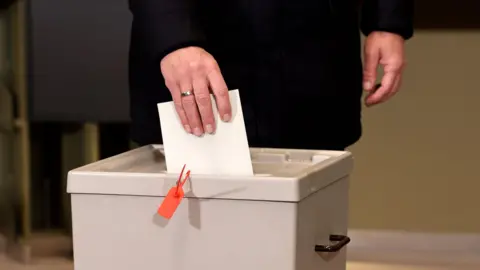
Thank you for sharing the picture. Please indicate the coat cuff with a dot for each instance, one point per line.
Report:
(394, 16)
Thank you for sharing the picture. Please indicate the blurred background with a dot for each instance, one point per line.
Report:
(64, 103)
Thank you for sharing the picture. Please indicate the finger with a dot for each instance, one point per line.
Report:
(395, 66)
(190, 107)
(220, 90)
(371, 56)
(395, 88)
(177, 101)
(204, 103)
(376, 97)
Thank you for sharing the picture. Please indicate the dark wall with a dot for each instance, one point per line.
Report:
(78, 60)
(447, 14)
(6, 4)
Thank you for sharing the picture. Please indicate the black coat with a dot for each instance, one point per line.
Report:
(297, 63)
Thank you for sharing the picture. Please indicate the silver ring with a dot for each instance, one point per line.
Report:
(186, 93)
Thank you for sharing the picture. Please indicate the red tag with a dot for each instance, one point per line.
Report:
(173, 198)
(171, 202)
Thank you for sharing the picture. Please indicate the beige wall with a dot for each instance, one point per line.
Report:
(417, 166)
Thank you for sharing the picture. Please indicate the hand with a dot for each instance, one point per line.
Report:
(386, 49)
(194, 70)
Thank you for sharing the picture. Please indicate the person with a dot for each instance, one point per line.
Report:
(296, 63)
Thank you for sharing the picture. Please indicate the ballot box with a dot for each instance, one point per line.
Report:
(291, 215)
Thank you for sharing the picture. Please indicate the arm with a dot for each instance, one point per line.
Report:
(394, 16)
(164, 26)
(169, 32)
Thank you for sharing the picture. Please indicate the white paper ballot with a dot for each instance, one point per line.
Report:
(224, 153)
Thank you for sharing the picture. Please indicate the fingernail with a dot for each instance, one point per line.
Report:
(226, 117)
(197, 132)
(187, 129)
(367, 85)
(209, 129)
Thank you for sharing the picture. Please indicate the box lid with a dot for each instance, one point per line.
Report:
(279, 175)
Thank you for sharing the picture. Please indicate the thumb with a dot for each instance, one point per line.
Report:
(372, 57)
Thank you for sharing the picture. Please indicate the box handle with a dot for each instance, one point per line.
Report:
(342, 240)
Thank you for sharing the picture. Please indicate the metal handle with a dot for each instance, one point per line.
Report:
(342, 240)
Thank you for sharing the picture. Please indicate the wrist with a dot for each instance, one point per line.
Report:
(386, 34)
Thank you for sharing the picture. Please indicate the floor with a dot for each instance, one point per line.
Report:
(64, 264)
(374, 266)
(44, 264)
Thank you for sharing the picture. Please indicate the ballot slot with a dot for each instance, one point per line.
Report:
(265, 162)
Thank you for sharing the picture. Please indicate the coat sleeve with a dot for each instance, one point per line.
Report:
(395, 16)
(162, 26)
